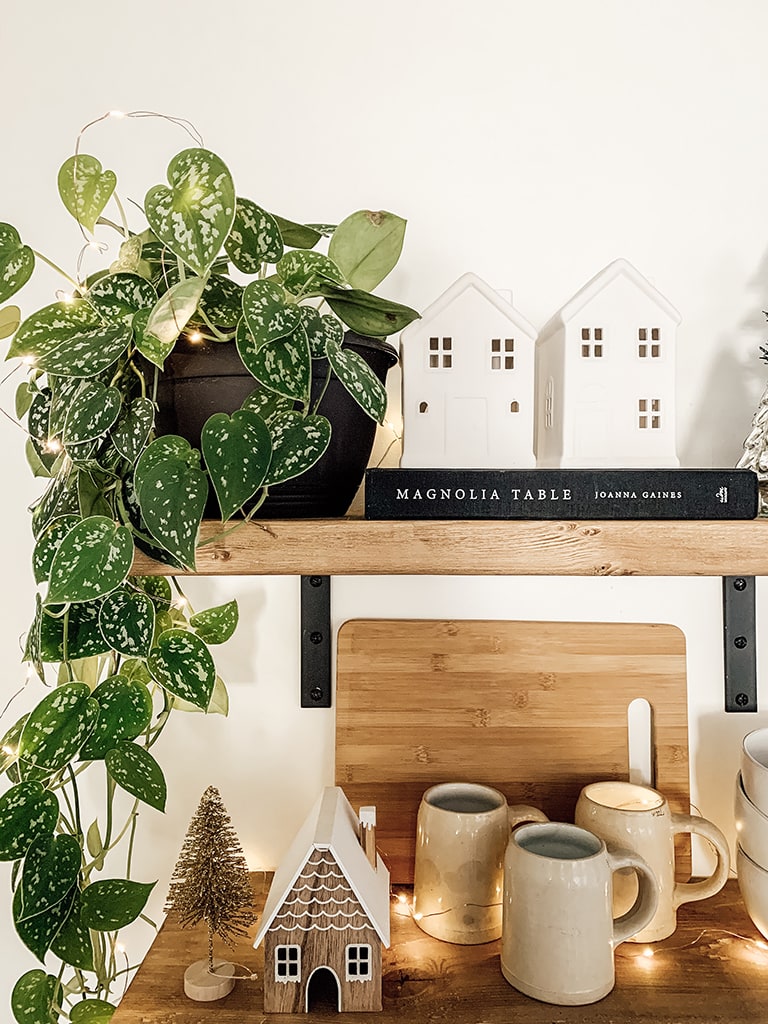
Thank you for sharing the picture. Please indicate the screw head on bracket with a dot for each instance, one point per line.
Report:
(316, 637)
(741, 699)
(739, 583)
(315, 581)
(316, 694)
(740, 642)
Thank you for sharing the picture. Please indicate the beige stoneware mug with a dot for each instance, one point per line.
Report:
(639, 818)
(559, 933)
(461, 835)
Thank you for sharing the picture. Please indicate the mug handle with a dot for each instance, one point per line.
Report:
(645, 906)
(522, 814)
(684, 892)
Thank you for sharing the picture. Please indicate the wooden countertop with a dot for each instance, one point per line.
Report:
(710, 970)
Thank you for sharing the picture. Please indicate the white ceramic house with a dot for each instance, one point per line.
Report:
(605, 376)
(327, 911)
(468, 382)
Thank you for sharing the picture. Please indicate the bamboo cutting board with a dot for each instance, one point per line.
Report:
(535, 709)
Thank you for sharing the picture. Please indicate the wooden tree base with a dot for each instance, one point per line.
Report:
(201, 985)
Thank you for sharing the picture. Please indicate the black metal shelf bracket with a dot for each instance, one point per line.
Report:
(740, 645)
(316, 641)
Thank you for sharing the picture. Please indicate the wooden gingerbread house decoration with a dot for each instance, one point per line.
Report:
(468, 382)
(327, 911)
(605, 376)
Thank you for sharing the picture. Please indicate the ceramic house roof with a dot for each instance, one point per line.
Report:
(332, 825)
(618, 268)
(461, 285)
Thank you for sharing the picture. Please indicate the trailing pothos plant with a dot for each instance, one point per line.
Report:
(119, 653)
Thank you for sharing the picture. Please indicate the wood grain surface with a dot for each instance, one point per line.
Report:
(704, 973)
(535, 709)
(486, 547)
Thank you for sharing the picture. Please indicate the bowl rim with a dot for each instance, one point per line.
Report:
(747, 799)
(750, 757)
(741, 852)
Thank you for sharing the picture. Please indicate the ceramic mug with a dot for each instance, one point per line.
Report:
(461, 835)
(639, 818)
(559, 933)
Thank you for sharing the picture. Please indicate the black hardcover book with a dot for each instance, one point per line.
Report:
(561, 494)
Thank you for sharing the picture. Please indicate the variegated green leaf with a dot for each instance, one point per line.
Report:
(129, 259)
(183, 665)
(58, 726)
(284, 366)
(9, 744)
(37, 933)
(63, 391)
(237, 450)
(93, 410)
(17, 262)
(194, 216)
(33, 998)
(367, 314)
(59, 499)
(127, 622)
(131, 431)
(266, 403)
(92, 1011)
(366, 246)
(38, 464)
(119, 296)
(10, 318)
(136, 771)
(169, 446)
(113, 903)
(25, 394)
(222, 301)
(70, 339)
(91, 498)
(72, 944)
(85, 188)
(172, 495)
(38, 420)
(125, 711)
(216, 625)
(217, 705)
(267, 315)
(156, 337)
(303, 272)
(320, 330)
(359, 380)
(157, 588)
(297, 443)
(27, 812)
(51, 867)
(93, 560)
(83, 639)
(129, 512)
(48, 544)
(254, 239)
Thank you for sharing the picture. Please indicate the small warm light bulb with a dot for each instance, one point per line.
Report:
(401, 898)
(29, 360)
(181, 603)
(760, 944)
(9, 750)
(194, 336)
(95, 245)
(417, 916)
(648, 952)
(65, 297)
(119, 947)
(52, 445)
(117, 114)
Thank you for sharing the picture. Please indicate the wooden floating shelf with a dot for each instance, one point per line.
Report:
(710, 970)
(341, 547)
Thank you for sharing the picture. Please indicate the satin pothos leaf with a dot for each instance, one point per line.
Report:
(48, 543)
(131, 431)
(359, 380)
(182, 664)
(320, 330)
(254, 239)
(17, 261)
(127, 622)
(93, 559)
(51, 868)
(172, 492)
(136, 771)
(193, 214)
(85, 188)
(27, 812)
(58, 726)
(237, 450)
(216, 625)
(113, 903)
(34, 997)
(70, 339)
(297, 443)
(93, 410)
(268, 316)
(125, 711)
(120, 296)
(366, 246)
(301, 271)
(284, 366)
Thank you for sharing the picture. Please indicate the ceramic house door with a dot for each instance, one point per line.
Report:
(592, 422)
(466, 431)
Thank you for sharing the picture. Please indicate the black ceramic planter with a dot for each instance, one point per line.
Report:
(201, 378)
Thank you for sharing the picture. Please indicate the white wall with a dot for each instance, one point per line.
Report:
(528, 142)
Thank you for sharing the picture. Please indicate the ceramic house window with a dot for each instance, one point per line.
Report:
(502, 353)
(287, 963)
(423, 406)
(514, 407)
(358, 963)
(549, 401)
(646, 335)
(649, 413)
(592, 342)
(440, 353)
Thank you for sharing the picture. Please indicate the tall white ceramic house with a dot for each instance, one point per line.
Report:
(605, 376)
(468, 382)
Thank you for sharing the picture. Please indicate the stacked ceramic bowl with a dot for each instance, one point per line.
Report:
(751, 814)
